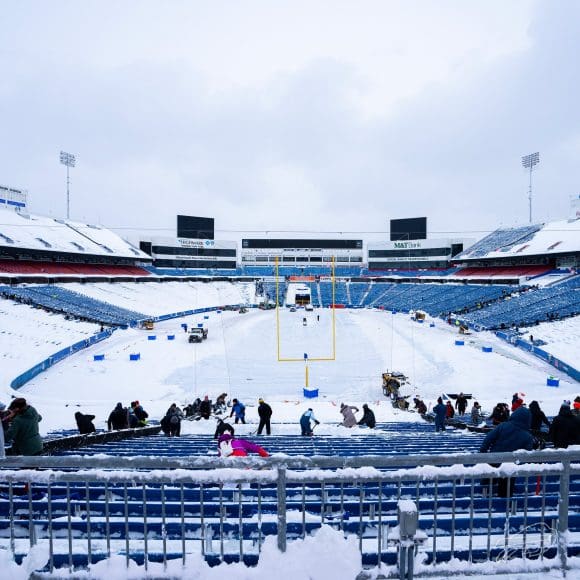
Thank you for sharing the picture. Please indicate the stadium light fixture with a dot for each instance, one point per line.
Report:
(529, 162)
(69, 160)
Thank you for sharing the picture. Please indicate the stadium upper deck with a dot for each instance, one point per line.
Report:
(27, 236)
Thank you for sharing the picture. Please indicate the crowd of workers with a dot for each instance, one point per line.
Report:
(517, 426)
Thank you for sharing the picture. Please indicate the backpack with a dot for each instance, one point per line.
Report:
(174, 419)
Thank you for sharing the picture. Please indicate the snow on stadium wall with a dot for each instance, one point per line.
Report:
(546, 356)
(28, 375)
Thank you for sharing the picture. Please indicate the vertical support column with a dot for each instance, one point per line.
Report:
(281, 493)
(563, 505)
(408, 519)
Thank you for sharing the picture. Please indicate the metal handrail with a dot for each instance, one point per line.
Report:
(290, 462)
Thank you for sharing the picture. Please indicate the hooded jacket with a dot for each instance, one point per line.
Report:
(512, 435)
(347, 413)
(565, 428)
(85, 423)
(23, 432)
(118, 418)
(368, 417)
(538, 416)
(440, 411)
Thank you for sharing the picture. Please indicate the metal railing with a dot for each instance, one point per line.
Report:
(84, 509)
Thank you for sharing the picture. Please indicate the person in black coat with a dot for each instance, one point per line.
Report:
(171, 422)
(223, 427)
(511, 435)
(368, 417)
(538, 417)
(500, 414)
(85, 423)
(461, 404)
(265, 413)
(118, 418)
(205, 408)
(565, 428)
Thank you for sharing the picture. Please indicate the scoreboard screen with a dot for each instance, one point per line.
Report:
(409, 229)
(199, 228)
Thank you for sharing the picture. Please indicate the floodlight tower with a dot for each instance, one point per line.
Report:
(529, 162)
(69, 160)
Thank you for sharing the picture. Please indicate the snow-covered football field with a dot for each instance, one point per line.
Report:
(241, 355)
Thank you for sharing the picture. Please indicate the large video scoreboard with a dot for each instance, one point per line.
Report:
(409, 229)
(198, 228)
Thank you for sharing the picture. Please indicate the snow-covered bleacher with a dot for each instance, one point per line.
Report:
(403, 438)
(178, 510)
(340, 293)
(515, 244)
(57, 299)
(357, 292)
(270, 291)
(501, 240)
(435, 299)
(530, 307)
(31, 233)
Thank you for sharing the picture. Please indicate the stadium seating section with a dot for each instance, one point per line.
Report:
(57, 268)
(532, 306)
(455, 509)
(59, 299)
(505, 272)
(501, 240)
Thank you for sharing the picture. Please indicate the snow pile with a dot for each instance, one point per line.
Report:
(324, 554)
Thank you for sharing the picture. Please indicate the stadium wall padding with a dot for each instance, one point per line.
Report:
(28, 375)
(545, 356)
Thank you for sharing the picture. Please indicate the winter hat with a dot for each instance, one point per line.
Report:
(225, 437)
(566, 403)
(18, 403)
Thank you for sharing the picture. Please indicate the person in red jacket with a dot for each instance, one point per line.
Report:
(517, 402)
(449, 412)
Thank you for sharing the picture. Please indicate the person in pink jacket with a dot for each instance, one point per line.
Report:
(348, 414)
(230, 447)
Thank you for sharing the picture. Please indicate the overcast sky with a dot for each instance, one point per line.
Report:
(287, 116)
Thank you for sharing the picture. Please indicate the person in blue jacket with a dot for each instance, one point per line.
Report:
(440, 411)
(512, 435)
(239, 410)
(305, 425)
